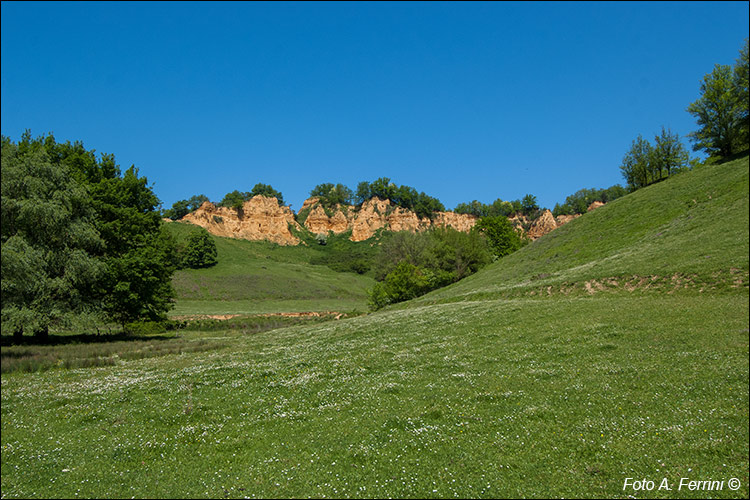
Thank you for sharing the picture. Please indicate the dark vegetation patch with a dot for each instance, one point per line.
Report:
(34, 358)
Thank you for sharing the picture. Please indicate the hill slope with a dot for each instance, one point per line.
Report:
(691, 229)
(477, 390)
(261, 277)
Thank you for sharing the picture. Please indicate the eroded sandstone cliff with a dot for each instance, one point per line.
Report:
(260, 218)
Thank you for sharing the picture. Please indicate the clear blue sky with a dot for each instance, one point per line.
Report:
(460, 100)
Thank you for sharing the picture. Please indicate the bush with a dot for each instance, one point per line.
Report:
(502, 237)
(200, 251)
(412, 264)
(406, 281)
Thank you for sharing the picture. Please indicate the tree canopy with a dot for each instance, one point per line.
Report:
(645, 164)
(199, 251)
(183, 207)
(721, 111)
(236, 199)
(90, 233)
(402, 196)
(331, 195)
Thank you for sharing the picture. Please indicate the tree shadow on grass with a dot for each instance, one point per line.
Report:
(81, 338)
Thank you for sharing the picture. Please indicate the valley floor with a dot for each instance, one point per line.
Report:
(532, 397)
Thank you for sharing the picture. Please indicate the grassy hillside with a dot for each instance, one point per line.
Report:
(261, 277)
(689, 230)
(478, 390)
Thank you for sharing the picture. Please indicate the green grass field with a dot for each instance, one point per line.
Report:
(615, 347)
(259, 277)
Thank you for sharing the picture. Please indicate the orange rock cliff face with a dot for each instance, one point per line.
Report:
(262, 218)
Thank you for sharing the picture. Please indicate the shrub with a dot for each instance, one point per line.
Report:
(406, 281)
(502, 236)
(200, 251)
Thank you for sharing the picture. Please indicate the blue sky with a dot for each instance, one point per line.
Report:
(461, 100)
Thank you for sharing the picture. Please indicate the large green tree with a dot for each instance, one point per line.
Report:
(135, 256)
(719, 114)
(49, 241)
(181, 208)
(668, 155)
(266, 190)
(331, 194)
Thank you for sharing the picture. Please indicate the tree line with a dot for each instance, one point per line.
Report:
(721, 112)
(579, 202)
(527, 206)
(328, 194)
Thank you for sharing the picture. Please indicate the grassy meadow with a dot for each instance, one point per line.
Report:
(615, 347)
(254, 277)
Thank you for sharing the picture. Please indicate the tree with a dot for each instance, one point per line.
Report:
(363, 193)
(669, 155)
(474, 207)
(403, 246)
(383, 188)
(406, 281)
(235, 199)
(48, 241)
(331, 195)
(742, 95)
(200, 251)
(529, 204)
(501, 234)
(138, 254)
(266, 190)
(458, 254)
(635, 166)
(719, 114)
(183, 207)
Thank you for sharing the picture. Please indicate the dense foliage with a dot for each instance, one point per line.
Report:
(331, 195)
(235, 199)
(183, 207)
(411, 264)
(527, 206)
(402, 196)
(502, 236)
(722, 110)
(645, 164)
(579, 202)
(199, 251)
(81, 238)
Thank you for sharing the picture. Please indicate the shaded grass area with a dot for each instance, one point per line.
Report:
(67, 350)
(554, 397)
(187, 307)
(41, 358)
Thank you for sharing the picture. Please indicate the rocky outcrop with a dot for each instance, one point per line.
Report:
(375, 214)
(260, 218)
(369, 219)
(459, 222)
(564, 219)
(594, 205)
(319, 222)
(544, 224)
